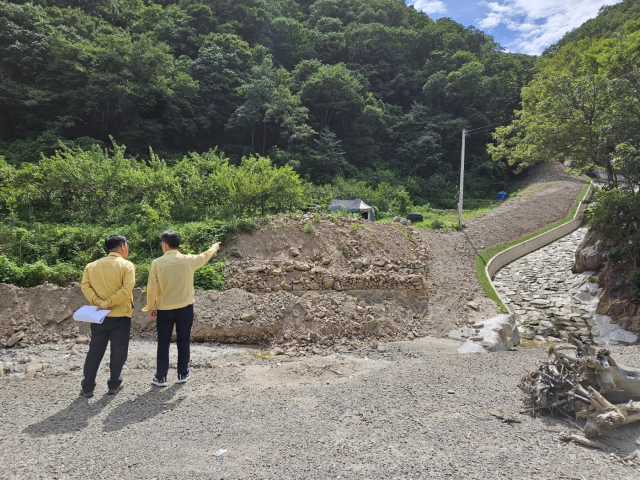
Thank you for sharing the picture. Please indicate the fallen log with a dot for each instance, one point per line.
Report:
(589, 384)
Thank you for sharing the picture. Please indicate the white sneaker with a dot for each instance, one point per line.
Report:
(159, 381)
(183, 378)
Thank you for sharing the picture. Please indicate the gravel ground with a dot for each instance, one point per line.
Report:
(413, 410)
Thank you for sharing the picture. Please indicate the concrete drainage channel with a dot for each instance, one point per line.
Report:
(549, 301)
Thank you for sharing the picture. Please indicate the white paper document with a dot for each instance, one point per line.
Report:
(90, 314)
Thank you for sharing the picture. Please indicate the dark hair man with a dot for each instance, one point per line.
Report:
(107, 283)
(170, 296)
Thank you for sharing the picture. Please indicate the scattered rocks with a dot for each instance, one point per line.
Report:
(277, 351)
(15, 338)
(32, 369)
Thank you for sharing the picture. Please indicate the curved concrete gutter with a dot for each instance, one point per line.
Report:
(507, 256)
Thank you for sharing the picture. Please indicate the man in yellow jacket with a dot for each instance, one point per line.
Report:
(108, 284)
(170, 296)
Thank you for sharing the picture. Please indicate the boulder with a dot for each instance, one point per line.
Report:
(15, 338)
(498, 334)
(587, 258)
(33, 368)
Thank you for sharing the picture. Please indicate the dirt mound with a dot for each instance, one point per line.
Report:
(298, 323)
(324, 252)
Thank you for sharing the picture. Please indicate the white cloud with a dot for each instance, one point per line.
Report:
(539, 23)
(429, 6)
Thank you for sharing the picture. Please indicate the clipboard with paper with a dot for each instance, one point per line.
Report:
(90, 314)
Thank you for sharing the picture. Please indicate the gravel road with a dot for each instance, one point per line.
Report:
(416, 410)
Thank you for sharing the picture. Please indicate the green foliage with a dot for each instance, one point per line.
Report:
(35, 253)
(328, 88)
(583, 107)
(308, 228)
(614, 217)
(611, 20)
(209, 277)
(107, 186)
(37, 273)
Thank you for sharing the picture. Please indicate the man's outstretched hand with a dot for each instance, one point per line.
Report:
(215, 247)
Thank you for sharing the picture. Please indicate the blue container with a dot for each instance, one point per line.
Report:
(502, 195)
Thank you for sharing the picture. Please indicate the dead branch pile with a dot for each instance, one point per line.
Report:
(588, 384)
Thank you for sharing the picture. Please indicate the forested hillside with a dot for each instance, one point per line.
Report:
(612, 20)
(362, 89)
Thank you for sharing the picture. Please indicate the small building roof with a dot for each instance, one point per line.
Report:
(352, 206)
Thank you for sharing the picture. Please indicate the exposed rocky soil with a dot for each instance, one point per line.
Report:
(295, 322)
(613, 276)
(406, 410)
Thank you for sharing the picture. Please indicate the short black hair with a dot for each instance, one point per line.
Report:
(114, 241)
(171, 238)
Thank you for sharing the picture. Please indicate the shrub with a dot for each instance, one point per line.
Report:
(209, 277)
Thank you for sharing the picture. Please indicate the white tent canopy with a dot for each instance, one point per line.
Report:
(352, 206)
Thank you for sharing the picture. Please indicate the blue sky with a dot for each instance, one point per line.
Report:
(523, 26)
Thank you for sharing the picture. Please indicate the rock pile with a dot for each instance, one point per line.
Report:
(290, 275)
(318, 252)
(549, 301)
(302, 323)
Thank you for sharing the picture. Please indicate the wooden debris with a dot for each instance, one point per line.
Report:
(566, 437)
(503, 416)
(588, 384)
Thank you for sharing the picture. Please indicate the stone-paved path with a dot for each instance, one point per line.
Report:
(550, 301)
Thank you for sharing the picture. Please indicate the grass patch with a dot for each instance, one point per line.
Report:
(438, 219)
(488, 253)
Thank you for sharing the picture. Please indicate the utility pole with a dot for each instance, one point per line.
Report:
(464, 134)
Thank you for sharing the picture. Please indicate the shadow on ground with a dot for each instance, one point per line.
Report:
(72, 419)
(623, 440)
(142, 408)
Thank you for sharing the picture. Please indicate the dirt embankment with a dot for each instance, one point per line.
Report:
(324, 252)
(340, 283)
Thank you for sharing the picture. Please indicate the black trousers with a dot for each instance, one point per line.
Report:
(182, 318)
(115, 330)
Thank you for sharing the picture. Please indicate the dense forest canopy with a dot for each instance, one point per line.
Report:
(369, 90)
